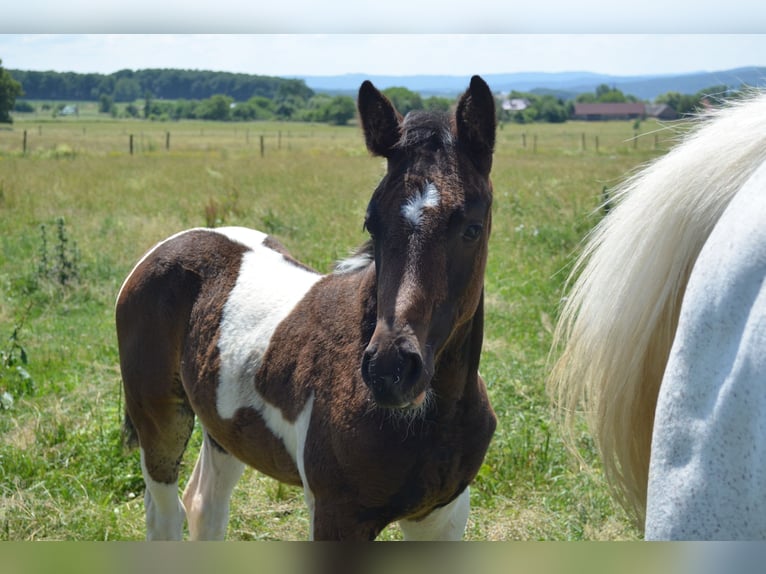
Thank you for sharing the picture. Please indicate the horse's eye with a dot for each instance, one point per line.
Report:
(472, 232)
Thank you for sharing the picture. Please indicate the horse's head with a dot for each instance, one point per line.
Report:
(429, 220)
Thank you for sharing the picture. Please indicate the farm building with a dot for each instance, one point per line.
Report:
(609, 111)
(661, 112)
(515, 104)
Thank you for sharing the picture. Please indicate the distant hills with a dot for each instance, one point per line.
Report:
(565, 85)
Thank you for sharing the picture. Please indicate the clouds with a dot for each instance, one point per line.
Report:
(391, 16)
(385, 54)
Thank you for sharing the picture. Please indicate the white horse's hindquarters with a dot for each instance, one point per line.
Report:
(707, 475)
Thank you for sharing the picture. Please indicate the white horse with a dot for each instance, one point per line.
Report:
(663, 334)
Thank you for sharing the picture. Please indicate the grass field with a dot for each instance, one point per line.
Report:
(77, 209)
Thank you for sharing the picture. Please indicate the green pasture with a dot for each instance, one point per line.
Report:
(77, 210)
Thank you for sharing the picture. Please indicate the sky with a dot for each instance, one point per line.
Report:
(385, 54)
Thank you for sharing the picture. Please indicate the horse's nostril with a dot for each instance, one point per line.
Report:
(411, 366)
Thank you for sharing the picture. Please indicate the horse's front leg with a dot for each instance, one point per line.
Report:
(334, 520)
(445, 523)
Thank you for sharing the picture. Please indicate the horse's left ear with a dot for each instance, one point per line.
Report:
(380, 120)
(476, 121)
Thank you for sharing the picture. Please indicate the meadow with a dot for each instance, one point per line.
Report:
(77, 209)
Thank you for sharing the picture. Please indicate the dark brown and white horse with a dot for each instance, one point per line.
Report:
(362, 386)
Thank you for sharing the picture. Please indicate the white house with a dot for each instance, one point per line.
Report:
(515, 104)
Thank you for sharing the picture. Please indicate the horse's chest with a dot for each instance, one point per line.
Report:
(393, 473)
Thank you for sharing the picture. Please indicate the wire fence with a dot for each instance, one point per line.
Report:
(261, 139)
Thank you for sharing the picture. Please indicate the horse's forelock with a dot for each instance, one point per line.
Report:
(420, 127)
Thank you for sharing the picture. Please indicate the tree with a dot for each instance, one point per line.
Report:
(602, 90)
(340, 109)
(549, 109)
(403, 99)
(605, 94)
(10, 89)
(217, 107)
(105, 104)
(437, 104)
(126, 90)
(688, 104)
(147, 104)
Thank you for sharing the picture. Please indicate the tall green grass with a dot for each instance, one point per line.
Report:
(63, 472)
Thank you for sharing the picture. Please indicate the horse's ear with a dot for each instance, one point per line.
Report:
(380, 120)
(476, 121)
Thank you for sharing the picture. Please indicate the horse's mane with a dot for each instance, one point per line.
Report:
(360, 259)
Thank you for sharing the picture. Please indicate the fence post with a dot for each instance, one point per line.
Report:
(24, 146)
(131, 144)
(582, 141)
(167, 140)
(534, 143)
(279, 140)
(596, 143)
(262, 148)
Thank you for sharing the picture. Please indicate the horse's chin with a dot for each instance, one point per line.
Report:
(406, 405)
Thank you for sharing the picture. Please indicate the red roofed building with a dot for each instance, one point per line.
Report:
(610, 111)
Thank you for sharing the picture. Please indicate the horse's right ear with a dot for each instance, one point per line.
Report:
(380, 120)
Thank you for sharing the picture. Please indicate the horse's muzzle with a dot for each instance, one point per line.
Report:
(394, 373)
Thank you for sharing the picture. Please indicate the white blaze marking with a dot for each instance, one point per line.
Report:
(413, 209)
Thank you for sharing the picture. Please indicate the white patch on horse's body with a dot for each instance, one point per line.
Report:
(267, 289)
(445, 523)
(413, 210)
(299, 434)
(251, 238)
(165, 513)
(707, 476)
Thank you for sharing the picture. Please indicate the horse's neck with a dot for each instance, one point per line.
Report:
(457, 366)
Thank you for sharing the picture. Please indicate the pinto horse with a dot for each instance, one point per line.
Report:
(663, 334)
(362, 385)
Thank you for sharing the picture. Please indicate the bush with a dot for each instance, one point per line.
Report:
(23, 107)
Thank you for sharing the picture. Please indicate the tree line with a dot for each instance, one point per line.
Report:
(168, 84)
(171, 94)
(190, 94)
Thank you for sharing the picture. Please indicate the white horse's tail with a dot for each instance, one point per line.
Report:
(619, 318)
